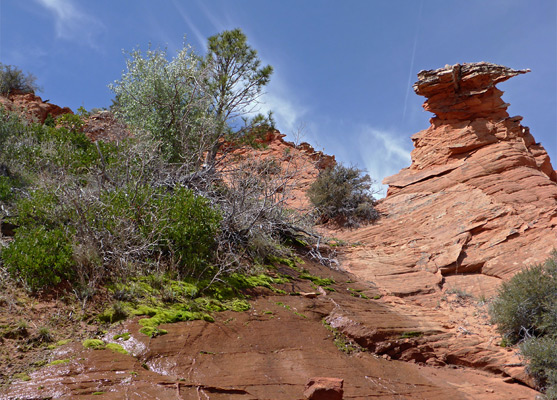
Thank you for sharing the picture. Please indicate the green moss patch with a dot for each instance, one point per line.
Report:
(162, 300)
(58, 362)
(153, 332)
(166, 316)
(22, 377)
(342, 342)
(95, 344)
(124, 336)
(116, 348)
(316, 280)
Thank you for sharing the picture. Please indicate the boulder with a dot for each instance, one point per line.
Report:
(324, 389)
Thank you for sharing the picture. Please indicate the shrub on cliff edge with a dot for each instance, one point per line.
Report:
(13, 79)
(343, 194)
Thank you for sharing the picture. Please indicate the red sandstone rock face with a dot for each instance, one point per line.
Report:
(477, 204)
(465, 91)
(267, 352)
(32, 106)
(479, 184)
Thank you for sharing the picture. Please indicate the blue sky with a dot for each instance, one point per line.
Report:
(343, 70)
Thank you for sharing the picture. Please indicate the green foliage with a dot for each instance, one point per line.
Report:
(41, 209)
(541, 354)
(343, 194)
(72, 122)
(190, 229)
(95, 344)
(10, 125)
(6, 185)
(526, 305)
(39, 256)
(117, 348)
(236, 80)
(13, 79)
(186, 104)
(50, 121)
(525, 310)
(176, 222)
(168, 101)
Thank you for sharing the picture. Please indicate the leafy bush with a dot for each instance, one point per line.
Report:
(541, 354)
(526, 310)
(525, 305)
(40, 208)
(5, 188)
(189, 228)
(10, 125)
(158, 201)
(13, 79)
(343, 194)
(41, 257)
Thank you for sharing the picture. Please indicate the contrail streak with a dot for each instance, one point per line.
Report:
(412, 60)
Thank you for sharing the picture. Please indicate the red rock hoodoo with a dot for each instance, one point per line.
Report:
(480, 196)
(477, 204)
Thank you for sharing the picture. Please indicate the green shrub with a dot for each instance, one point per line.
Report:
(72, 122)
(41, 208)
(343, 194)
(41, 257)
(541, 354)
(13, 79)
(5, 188)
(526, 310)
(189, 229)
(10, 125)
(526, 305)
(175, 223)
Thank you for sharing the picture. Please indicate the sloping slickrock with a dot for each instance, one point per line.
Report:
(268, 352)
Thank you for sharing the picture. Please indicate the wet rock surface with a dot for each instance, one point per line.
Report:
(268, 352)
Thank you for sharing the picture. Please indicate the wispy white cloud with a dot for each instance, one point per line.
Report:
(217, 23)
(286, 111)
(199, 37)
(383, 153)
(72, 24)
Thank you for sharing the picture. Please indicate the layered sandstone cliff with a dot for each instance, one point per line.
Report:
(477, 204)
(480, 197)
